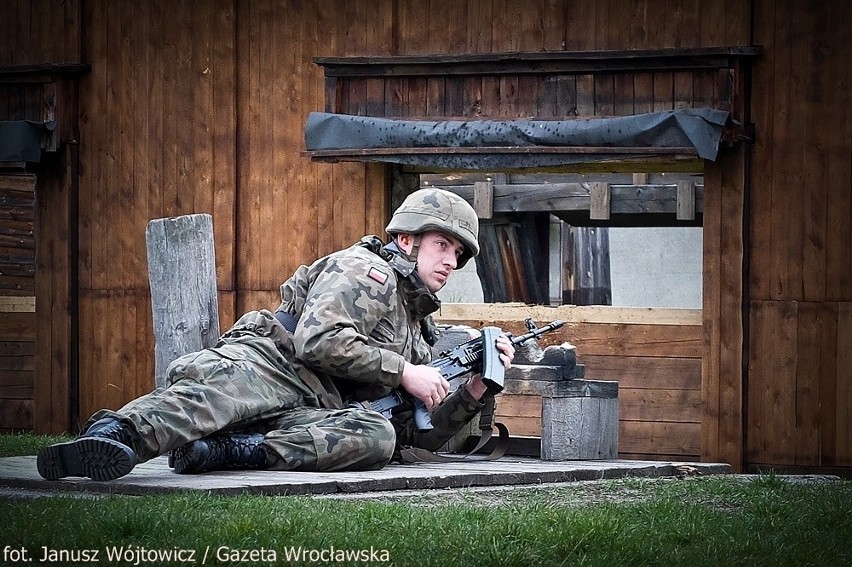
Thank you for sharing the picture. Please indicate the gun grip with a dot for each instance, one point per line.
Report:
(493, 371)
(422, 419)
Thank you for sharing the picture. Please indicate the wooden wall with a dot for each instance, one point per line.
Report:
(800, 239)
(200, 107)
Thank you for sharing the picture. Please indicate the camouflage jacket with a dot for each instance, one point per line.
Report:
(355, 328)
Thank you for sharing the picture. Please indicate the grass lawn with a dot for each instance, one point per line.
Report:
(718, 520)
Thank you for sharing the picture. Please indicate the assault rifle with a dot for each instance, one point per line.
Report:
(476, 355)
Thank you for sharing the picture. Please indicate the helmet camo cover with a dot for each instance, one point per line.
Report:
(437, 209)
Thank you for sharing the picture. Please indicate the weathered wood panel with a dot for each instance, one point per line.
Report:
(40, 31)
(801, 200)
(723, 319)
(657, 366)
(800, 384)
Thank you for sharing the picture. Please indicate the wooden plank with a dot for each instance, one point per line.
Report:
(682, 90)
(585, 96)
(837, 142)
(16, 384)
(17, 326)
(17, 304)
(712, 314)
(645, 372)
(843, 392)
(772, 382)
(223, 134)
(604, 95)
(732, 165)
(761, 187)
(17, 362)
(490, 101)
(17, 348)
(783, 235)
(814, 319)
(634, 340)
(16, 414)
(377, 205)
(518, 405)
(683, 406)
(459, 312)
(624, 94)
(509, 248)
(566, 96)
(658, 438)
(663, 91)
(643, 89)
(493, 279)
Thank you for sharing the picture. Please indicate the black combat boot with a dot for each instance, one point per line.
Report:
(104, 451)
(225, 451)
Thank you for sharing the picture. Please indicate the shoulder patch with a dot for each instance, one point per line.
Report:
(377, 275)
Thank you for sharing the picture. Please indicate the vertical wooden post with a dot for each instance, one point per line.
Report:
(685, 200)
(182, 275)
(600, 198)
(483, 199)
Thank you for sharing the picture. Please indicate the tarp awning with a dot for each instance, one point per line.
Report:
(21, 140)
(490, 144)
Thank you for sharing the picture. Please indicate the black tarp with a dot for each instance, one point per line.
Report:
(20, 140)
(696, 128)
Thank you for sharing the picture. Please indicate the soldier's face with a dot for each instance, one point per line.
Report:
(437, 257)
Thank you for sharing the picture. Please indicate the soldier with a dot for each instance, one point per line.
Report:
(280, 391)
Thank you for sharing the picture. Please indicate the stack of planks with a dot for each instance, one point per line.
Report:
(17, 301)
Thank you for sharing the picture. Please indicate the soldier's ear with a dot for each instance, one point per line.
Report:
(405, 242)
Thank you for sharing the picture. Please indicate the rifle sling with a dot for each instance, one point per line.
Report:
(417, 455)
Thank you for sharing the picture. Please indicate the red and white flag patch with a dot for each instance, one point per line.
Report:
(377, 275)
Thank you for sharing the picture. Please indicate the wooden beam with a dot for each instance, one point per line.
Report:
(573, 196)
(514, 63)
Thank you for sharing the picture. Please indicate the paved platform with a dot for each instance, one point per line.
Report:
(155, 477)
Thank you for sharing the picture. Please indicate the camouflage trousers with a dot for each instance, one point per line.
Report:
(245, 385)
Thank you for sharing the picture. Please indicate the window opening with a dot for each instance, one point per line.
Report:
(547, 250)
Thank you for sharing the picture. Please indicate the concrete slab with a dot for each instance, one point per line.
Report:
(155, 477)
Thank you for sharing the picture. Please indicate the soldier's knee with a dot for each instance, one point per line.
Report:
(382, 439)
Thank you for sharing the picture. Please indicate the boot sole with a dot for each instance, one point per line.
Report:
(93, 457)
(184, 459)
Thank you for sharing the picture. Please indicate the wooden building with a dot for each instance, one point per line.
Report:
(151, 109)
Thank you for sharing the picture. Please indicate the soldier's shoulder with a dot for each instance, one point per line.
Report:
(359, 263)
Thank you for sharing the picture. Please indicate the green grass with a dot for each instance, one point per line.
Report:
(695, 521)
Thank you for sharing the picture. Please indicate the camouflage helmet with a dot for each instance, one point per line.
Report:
(436, 209)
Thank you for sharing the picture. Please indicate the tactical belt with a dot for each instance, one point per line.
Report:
(287, 320)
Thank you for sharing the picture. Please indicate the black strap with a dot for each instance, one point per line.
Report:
(417, 455)
(287, 320)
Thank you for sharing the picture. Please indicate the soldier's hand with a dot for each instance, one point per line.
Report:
(425, 383)
(507, 350)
